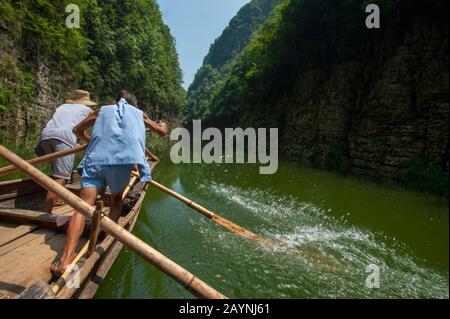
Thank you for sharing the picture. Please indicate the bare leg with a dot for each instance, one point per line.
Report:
(52, 198)
(116, 206)
(76, 227)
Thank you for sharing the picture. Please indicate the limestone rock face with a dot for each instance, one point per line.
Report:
(37, 93)
(372, 117)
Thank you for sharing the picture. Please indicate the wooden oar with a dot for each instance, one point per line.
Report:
(209, 214)
(205, 212)
(42, 159)
(315, 256)
(181, 275)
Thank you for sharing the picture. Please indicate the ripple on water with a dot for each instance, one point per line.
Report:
(308, 233)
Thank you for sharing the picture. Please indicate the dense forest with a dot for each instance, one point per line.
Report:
(218, 63)
(372, 102)
(120, 44)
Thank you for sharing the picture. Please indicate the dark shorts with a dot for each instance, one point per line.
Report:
(61, 167)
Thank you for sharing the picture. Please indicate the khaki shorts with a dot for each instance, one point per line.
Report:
(61, 167)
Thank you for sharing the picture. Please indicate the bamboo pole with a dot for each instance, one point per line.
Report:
(56, 286)
(314, 256)
(181, 275)
(129, 186)
(49, 157)
(209, 214)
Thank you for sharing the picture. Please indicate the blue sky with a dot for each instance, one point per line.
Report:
(195, 24)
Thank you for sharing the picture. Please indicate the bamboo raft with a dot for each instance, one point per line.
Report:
(30, 240)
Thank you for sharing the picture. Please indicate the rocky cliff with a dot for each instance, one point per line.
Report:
(384, 115)
(373, 102)
(119, 44)
(28, 96)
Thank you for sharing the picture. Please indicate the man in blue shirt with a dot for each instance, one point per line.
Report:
(57, 136)
(117, 145)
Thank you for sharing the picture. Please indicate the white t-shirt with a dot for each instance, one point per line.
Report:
(66, 117)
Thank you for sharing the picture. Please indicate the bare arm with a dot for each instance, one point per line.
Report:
(80, 129)
(160, 127)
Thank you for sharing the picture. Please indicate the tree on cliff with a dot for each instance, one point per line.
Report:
(121, 43)
(345, 97)
(218, 63)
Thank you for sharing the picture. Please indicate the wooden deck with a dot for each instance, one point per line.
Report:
(31, 240)
(27, 251)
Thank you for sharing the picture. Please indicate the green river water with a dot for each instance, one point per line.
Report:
(313, 213)
(316, 215)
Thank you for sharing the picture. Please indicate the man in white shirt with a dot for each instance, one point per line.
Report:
(58, 136)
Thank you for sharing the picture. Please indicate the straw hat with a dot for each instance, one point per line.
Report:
(81, 97)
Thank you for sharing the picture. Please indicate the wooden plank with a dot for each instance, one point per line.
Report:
(10, 195)
(34, 201)
(18, 193)
(45, 220)
(18, 188)
(15, 184)
(27, 264)
(38, 290)
(27, 216)
(39, 235)
(62, 210)
(11, 231)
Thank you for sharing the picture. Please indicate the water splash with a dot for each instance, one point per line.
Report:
(305, 226)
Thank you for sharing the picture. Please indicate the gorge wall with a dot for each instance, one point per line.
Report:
(372, 102)
(382, 115)
(119, 44)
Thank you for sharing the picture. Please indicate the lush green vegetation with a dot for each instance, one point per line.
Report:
(218, 64)
(121, 43)
(255, 84)
(299, 34)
